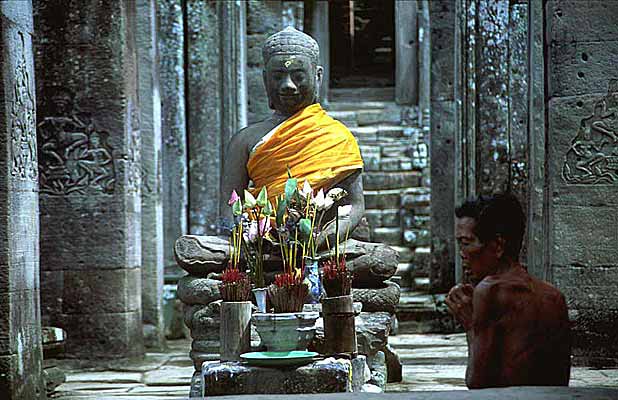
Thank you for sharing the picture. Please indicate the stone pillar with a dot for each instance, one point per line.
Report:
(152, 207)
(444, 127)
(90, 178)
(424, 64)
(316, 25)
(406, 40)
(492, 146)
(263, 19)
(21, 356)
(582, 170)
(292, 14)
(175, 190)
(215, 100)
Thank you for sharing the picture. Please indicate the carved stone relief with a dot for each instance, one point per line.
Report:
(74, 156)
(22, 124)
(134, 178)
(592, 158)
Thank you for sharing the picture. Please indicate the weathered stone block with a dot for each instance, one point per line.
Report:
(370, 263)
(393, 365)
(391, 218)
(201, 255)
(387, 235)
(397, 180)
(415, 200)
(263, 16)
(382, 199)
(325, 376)
(377, 365)
(384, 298)
(193, 290)
(581, 21)
(364, 133)
(417, 237)
(101, 291)
(580, 67)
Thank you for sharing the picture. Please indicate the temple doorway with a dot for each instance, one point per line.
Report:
(362, 45)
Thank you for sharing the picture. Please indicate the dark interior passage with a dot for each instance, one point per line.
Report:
(362, 49)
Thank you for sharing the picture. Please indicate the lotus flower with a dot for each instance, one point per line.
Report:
(252, 233)
(306, 190)
(322, 202)
(344, 211)
(233, 198)
(249, 200)
(262, 198)
(336, 194)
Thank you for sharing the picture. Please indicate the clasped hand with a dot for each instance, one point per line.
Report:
(459, 302)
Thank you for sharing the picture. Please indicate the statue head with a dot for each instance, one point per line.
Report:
(292, 76)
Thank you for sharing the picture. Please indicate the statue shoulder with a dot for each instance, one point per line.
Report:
(251, 135)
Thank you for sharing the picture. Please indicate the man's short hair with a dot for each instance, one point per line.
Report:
(496, 215)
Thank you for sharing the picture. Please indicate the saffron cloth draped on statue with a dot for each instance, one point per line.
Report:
(313, 145)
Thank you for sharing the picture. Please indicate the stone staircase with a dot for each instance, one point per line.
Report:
(396, 177)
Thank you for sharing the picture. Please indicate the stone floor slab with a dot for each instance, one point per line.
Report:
(106, 377)
(169, 376)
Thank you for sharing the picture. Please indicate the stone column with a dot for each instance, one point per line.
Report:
(152, 206)
(21, 356)
(444, 127)
(582, 170)
(424, 64)
(175, 190)
(316, 25)
(90, 176)
(406, 40)
(292, 14)
(215, 100)
(263, 19)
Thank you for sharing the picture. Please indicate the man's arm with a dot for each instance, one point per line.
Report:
(235, 176)
(484, 339)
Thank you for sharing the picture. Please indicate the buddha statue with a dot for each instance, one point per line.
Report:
(301, 137)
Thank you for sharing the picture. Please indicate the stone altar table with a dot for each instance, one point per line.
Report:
(328, 375)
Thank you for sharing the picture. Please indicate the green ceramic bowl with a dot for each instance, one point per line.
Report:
(279, 358)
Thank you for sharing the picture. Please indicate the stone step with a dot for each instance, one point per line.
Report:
(406, 254)
(356, 105)
(382, 199)
(420, 312)
(388, 235)
(449, 355)
(422, 283)
(384, 94)
(392, 180)
(416, 341)
(383, 218)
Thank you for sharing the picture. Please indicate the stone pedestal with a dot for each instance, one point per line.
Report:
(324, 376)
(20, 337)
(90, 175)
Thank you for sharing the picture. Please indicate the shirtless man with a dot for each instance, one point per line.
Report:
(292, 78)
(517, 326)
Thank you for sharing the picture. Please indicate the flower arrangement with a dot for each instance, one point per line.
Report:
(336, 277)
(251, 228)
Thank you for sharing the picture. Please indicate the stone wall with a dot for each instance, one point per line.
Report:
(20, 338)
(582, 170)
(90, 175)
(263, 19)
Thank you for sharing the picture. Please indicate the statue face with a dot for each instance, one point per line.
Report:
(292, 82)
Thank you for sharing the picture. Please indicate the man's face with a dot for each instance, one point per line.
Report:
(478, 259)
(291, 82)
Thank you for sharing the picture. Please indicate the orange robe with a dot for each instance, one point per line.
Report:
(313, 145)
